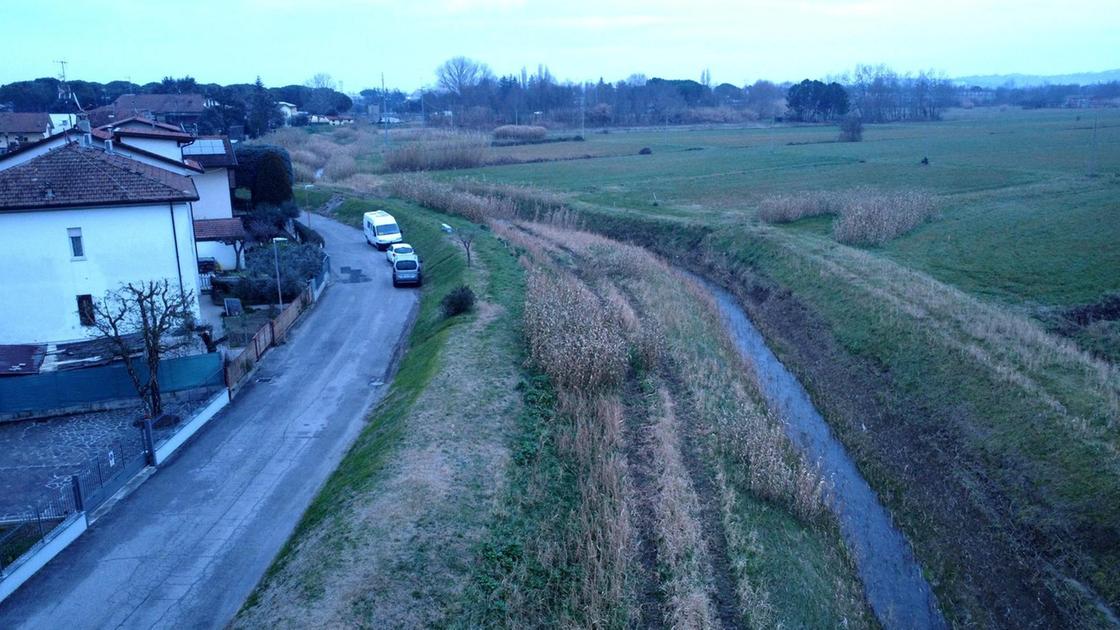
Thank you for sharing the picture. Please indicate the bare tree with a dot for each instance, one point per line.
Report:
(141, 323)
(458, 74)
(466, 239)
(321, 80)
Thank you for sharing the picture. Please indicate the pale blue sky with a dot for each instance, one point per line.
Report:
(287, 41)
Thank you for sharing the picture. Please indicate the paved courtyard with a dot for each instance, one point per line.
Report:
(37, 457)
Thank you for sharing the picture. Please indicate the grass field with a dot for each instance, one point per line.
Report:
(992, 442)
(935, 358)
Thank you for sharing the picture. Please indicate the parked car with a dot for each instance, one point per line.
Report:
(406, 270)
(397, 249)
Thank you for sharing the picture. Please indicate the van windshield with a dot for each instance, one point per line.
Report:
(388, 228)
(406, 265)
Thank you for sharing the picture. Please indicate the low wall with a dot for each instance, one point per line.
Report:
(55, 393)
(57, 540)
(216, 404)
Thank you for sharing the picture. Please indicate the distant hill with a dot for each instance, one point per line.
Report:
(1028, 80)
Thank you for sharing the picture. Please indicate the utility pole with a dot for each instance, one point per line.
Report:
(582, 107)
(385, 108)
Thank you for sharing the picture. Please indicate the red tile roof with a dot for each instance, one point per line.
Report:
(145, 128)
(76, 176)
(24, 123)
(219, 230)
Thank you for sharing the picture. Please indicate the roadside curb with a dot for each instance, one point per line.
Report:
(402, 344)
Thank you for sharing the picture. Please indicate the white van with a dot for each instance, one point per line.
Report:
(380, 229)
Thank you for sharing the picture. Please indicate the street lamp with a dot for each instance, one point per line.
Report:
(276, 258)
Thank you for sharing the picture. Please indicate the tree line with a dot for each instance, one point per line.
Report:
(249, 105)
(468, 93)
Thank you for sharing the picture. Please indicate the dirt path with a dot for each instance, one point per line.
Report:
(643, 481)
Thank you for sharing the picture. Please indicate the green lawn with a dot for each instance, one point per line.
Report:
(1021, 220)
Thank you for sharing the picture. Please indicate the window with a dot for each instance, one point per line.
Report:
(85, 310)
(77, 249)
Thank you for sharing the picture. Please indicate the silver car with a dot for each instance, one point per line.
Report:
(406, 270)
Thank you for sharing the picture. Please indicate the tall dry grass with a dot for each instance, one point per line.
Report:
(440, 196)
(864, 216)
(448, 152)
(571, 336)
(520, 132)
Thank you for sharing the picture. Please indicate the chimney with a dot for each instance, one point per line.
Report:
(83, 126)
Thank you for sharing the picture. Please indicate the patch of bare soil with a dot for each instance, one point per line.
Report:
(403, 554)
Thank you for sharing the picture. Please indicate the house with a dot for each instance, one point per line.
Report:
(183, 110)
(287, 110)
(209, 161)
(18, 129)
(76, 221)
(219, 239)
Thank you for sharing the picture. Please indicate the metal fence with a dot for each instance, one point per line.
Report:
(98, 480)
(75, 388)
(275, 331)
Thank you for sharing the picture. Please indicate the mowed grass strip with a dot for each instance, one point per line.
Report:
(425, 464)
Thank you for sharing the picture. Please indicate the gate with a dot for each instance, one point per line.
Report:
(110, 470)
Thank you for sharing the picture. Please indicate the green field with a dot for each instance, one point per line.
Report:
(1022, 221)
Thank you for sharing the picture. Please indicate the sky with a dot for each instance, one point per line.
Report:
(355, 41)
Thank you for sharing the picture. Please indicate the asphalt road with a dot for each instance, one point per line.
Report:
(187, 547)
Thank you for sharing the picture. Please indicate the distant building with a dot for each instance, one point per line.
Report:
(184, 110)
(287, 110)
(76, 221)
(20, 129)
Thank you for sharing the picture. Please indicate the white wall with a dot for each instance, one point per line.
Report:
(213, 194)
(224, 254)
(166, 148)
(39, 282)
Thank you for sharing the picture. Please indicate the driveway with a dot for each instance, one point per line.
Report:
(188, 546)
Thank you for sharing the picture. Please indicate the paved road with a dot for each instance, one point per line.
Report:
(187, 547)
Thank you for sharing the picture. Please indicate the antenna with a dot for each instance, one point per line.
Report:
(63, 87)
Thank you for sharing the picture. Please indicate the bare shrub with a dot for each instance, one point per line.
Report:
(874, 218)
(851, 129)
(461, 151)
(520, 132)
(571, 337)
(339, 167)
(302, 172)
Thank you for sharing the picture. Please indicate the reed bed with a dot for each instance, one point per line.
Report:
(864, 216)
(520, 132)
(449, 152)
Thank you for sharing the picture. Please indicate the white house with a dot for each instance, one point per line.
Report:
(208, 160)
(76, 221)
(287, 110)
(216, 229)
